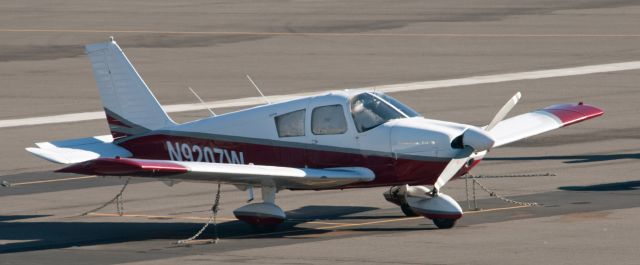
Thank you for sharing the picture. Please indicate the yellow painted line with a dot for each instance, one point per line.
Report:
(498, 209)
(367, 223)
(51, 180)
(370, 223)
(196, 218)
(314, 222)
(158, 216)
(336, 34)
(328, 234)
(319, 222)
(332, 227)
(414, 218)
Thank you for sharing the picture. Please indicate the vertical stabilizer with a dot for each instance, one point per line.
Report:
(130, 106)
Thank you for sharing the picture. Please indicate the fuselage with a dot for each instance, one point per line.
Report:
(331, 130)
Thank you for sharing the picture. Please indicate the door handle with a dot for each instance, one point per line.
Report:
(314, 141)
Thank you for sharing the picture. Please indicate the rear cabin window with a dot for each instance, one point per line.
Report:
(291, 124)
(328, 120)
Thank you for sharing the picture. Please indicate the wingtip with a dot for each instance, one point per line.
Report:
(46, 155)
(569, 114)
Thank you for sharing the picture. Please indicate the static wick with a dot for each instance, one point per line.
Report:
(257, 88)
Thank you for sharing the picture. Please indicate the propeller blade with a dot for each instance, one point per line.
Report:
(475, 139)
(504, 111)
(453, 167)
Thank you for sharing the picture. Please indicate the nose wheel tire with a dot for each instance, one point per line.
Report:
(444, 223)
(406, 209)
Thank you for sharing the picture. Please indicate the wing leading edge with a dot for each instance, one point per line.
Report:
(281, 177)
(542, 120)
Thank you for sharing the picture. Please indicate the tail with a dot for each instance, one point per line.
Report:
(130, 106)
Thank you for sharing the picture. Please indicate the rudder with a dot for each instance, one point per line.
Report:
(130, 106)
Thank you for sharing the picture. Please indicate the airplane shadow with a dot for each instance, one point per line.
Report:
(322, 212)
(571, 159)
(30, 235)
(615, 186)
(4, 218)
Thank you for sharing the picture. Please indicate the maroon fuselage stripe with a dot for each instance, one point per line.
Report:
(389, 171)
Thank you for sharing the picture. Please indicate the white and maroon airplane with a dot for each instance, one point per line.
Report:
(335, 140)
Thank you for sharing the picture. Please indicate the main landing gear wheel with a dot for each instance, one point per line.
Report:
(444, 223)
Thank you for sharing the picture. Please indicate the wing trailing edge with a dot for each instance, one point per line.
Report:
(281, 177)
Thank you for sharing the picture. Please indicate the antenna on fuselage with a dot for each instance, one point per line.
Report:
(257, 88)
(202, 101)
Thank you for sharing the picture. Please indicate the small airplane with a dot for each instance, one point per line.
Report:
(335, 140)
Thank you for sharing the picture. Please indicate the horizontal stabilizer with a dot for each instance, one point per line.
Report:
(282, 177)
(542, 120)
(78, 150)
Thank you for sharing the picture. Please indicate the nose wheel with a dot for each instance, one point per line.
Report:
(443, 210)
(406, 209)
(444, 223)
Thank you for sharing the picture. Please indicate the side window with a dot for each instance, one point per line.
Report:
(291, 124)
(328, 120)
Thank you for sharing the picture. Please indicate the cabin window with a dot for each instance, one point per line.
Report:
(328, 120)
(291, 124)
(370, 111)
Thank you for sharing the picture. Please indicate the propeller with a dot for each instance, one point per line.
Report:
(474, 140)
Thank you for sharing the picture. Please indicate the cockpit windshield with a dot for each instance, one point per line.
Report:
(399, 105)
(372, 109)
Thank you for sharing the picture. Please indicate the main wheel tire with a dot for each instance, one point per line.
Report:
(444, 223)
(406, 209)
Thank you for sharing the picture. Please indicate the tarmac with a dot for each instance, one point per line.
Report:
(583, 177)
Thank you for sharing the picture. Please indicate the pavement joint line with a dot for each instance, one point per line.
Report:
(405, 87)
(51, 180)
(368, 223)
(328, 34)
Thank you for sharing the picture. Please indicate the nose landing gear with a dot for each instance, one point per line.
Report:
(443, 210)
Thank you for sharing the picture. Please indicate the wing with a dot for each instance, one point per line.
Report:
(78, 150)
(542, 120)
(281, 177)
